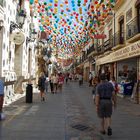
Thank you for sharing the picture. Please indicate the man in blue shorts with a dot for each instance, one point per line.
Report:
(105, 99)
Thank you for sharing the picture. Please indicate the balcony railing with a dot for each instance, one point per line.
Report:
(100, 49)
(108, 44)
(90, 50)
(119, 38)
(132, 28)
(1, 2)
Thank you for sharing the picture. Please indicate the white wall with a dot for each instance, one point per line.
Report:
(7, 67)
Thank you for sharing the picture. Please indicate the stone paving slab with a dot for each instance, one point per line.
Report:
(54, 118)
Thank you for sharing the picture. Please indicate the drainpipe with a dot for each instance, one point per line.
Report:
(114, 30)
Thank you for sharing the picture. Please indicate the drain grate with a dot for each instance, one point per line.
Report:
(80, 127)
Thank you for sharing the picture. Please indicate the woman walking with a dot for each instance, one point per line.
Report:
(41, 85)
(60, 81)
(55, 82)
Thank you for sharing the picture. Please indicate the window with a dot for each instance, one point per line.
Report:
(128, 15)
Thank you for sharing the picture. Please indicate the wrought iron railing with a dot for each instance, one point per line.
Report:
(1, 2)
(108, 44)
(132, 28)
(100, 49)
(90, 50)
(118, 38)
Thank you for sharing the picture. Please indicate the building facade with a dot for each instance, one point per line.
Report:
(17, 51)
(120, 50)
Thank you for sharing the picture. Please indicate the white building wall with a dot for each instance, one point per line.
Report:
(8, 50)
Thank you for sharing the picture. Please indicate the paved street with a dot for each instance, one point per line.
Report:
(67, 116)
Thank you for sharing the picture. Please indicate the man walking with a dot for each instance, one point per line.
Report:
(105, 99)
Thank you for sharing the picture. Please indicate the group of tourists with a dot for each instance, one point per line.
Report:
(55, 82)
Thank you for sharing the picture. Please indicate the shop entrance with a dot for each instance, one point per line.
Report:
(127, 75)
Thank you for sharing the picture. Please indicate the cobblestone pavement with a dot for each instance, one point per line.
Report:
(69, 115)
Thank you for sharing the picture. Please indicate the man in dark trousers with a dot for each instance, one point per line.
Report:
(105, 99)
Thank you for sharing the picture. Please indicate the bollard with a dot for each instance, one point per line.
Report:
(29, 93)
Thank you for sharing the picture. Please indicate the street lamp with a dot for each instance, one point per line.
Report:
(21, 15)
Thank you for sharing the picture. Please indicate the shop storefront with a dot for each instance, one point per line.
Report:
(127, 75)
(126, 67)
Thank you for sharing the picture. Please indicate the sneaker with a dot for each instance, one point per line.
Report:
(109, 131)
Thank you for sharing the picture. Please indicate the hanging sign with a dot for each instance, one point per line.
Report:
(100, 36)
(18, 38)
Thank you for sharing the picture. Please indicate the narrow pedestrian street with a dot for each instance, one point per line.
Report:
(69, 115)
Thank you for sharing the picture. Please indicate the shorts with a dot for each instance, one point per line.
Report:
(105, 108)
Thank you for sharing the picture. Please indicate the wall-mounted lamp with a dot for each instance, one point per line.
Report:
(1, 24)
(29, 40)
(13, 26)
(21, 18)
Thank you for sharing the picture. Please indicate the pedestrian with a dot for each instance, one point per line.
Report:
(46, 84)
(60, 82)
(1, 97)
(51, 83)
(114, 83)
(41, 85)
(67, 77)
(55, 83)
(105, 99)
(80, 77)
(90, 79)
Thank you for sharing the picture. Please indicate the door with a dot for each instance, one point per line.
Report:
(121, 33)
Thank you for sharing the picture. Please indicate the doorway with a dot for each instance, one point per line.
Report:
(121, 29)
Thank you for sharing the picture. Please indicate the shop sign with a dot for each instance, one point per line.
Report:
(100, 36)
(18, 38)
(127, 52)
(43, 35)
(124, 53)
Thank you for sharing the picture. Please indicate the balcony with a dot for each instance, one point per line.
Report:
(108, 45)
(91, 50)
(133, 30)
(100, 49)
(118, 40)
